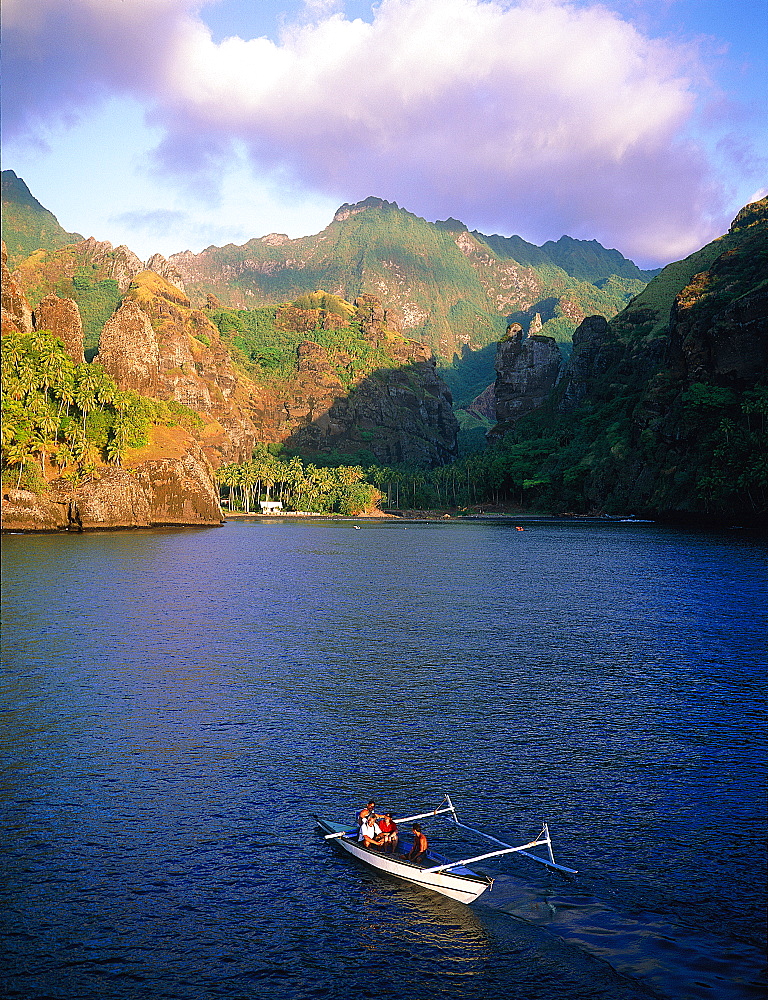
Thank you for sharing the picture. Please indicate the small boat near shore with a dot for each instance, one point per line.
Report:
(450, 878)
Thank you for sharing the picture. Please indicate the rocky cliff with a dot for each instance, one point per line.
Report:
(716, 335)
(366, 393)
(327, 400)
(168, 481)
(451, 287)
(62, 318)
(400, 414)
(170, 491)
(16, 313)
(527, 370)
(158, 345)
(661, 410)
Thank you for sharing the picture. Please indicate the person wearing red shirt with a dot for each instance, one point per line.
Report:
(387, 839)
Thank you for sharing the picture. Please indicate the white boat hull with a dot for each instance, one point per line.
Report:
(458, 882)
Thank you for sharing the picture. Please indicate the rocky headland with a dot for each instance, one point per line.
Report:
(169, 491)
(156, 344)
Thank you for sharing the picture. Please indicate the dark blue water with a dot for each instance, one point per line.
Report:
(177, 704)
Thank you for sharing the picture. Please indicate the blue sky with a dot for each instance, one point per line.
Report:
(176, 124)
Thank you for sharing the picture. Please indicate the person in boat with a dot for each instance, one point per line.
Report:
(369, 831)
(367, 810)
(387, 838)
(420, 845)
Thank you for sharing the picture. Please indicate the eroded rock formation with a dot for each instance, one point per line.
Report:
(129, 350)
(173, 491)
(16, 314)
(594, 351)
(157, 345)
(160, 265)
(526, 372)
(62, 318)
(484, 405)
(119, 263)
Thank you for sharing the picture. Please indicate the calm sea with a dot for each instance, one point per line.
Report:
(177, 704)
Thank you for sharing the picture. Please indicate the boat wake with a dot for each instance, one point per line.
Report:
(668, 958)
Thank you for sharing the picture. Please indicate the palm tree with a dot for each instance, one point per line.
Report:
(18, 453)
(64, 386)
(47, 426)
(247, 480)
(84, 392)
(51, 358)
(63, 456)
(227, 476)
(293, 478)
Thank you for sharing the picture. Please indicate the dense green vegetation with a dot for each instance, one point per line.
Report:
(586, 260)
(266, 339)
(645, 435)
(96, 298)
(70, 275)
(27, 226)
(506, 474)
(71, 415)
(599, 460)
(298, 486)
(450, 296)
(649, 437)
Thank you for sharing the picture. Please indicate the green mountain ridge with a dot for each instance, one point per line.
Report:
(451, 289)
(454, 290)
(27, 225)
(663, 410)
(586, 260)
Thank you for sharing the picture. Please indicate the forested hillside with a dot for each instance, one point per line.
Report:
(451, 289)
(664, 409)
(659, 409)
(27, 226)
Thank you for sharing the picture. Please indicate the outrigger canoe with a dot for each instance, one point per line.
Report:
(449, 878)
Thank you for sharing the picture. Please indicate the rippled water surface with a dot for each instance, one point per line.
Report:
(176, 704)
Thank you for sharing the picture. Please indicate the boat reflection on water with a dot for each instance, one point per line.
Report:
(398, 917)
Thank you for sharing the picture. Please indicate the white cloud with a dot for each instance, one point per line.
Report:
(538, 116)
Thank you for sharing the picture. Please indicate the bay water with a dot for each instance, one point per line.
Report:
(177, 705)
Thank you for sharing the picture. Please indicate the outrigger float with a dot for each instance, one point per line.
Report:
(450, 878)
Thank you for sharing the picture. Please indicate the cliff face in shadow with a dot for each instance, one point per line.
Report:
(337, 378)
(526, 373)
(399, 415)
(664, 409)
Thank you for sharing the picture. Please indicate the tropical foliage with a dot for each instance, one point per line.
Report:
(74, 417)
(299, 487)
(266, 339)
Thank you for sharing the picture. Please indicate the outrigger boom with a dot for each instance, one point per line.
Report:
(543, 838)
(404, 819)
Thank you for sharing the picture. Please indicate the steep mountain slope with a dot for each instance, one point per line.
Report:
(321, 376)
(664, 409)
(27, 226)
(94, 274)
(583, 259)
(451, 288)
